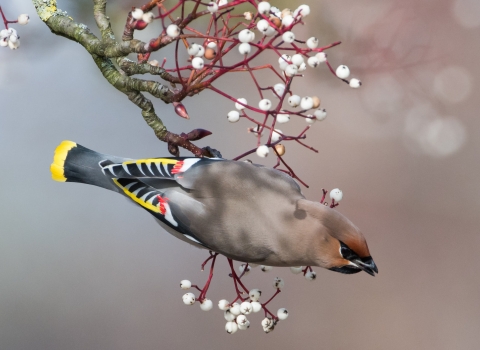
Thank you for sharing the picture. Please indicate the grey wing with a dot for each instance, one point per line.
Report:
(242, 205)
(166, 202)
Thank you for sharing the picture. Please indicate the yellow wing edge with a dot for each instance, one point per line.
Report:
(61, 152)
(144, 204)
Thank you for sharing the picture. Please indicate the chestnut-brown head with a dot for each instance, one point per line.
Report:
(341, 246)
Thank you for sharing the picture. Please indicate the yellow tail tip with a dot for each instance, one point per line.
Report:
(59, 160)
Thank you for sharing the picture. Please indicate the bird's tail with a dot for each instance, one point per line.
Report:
(75, 163)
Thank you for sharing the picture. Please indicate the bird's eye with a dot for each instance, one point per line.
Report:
(347, 253)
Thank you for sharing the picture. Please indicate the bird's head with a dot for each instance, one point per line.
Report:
(341, 246)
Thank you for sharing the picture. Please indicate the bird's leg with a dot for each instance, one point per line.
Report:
(203, 292)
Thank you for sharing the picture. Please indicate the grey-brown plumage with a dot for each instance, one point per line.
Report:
(246, 212)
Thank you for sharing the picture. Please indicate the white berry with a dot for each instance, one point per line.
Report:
(212, 44)
(235, 309)
(276, 135)
(287, 20)
(283, 65)
(244, 326)
(282, 314)
(197, 63)
(222, 2)
(355, 83)
(270, 327)
(278, 283)
(246, 308)
(14, 38)
(255, 130)
(13, 45)
(244, 48)
(206, 305)
(137, 14)
(231, 327)
(279, 89)
(212, 7)
(223, 305)
(188, 298)
(310, 119)
(263, 25)
(312, 43)
(185, 284)
(262, 151)
(283, 118)
(294, 100)
(270, 31)
(302, 11)
(233, 116)
(173, 31)
(302, 67)
(322, 57)
(313, 61)
(284, 58)
(284, 61)
(193, 49)
(255, 294)
(265, 268)
(244, 268)
(241, 319)
(306, 103)
(310, 275)
(148, 17)
(297, 59)
(296, 269)
(256, 306)
(263, 8)
(320, 114)
(266, 322)
(342, 72)
(228, 315)
(288, 37)
(201, 51)
(246, 36)
(336, 194)
(238, 105)
(265, 104)
(291, 70)
(23, 19)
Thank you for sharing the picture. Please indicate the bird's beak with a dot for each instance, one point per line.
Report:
(366, 264)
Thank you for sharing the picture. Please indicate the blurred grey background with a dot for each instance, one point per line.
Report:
(81, 268)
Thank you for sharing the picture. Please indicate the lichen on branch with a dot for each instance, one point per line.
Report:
(106, 48)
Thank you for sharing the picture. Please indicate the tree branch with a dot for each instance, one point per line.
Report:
(104, 49)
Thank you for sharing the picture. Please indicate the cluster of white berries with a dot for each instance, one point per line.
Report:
(343, 72)
(268, 21)
(138, 15)
(235, 313)
(172, 30)
(9, 37)
(271, 22)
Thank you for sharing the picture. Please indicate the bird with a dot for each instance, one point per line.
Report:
(244, 211)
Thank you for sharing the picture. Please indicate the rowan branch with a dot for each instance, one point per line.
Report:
(106, 48)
